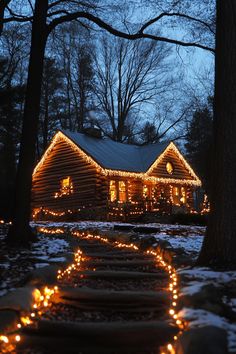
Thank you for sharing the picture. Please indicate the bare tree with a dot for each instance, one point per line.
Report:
(74, 56)
(128, 75)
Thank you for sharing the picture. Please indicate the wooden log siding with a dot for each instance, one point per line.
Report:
(135, 189)
(180, 171)
(102, 190)
(62, 162)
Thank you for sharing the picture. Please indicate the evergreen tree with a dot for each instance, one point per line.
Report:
(51, 105)
(149, 133)
(199, 136)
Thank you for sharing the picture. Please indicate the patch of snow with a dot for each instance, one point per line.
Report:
(41, 265)
(50, 246)
(192, 288)
(3, 292)
(4, 265)
(201, 318)
(190, 243)
(57, 259)
(43, 258)
(204, 273)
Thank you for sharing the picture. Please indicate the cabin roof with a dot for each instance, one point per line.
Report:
(118, 156)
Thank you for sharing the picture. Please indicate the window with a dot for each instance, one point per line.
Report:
(66, 187)
(145, 192)
(183, 195)
(178, 195)
(117, 191)
(122, 191)
(113, 192)
(169, 168)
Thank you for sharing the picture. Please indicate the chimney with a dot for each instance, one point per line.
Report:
(94, 132)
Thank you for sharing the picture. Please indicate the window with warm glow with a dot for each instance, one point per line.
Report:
(169, 168)
(183, 195)
(122, 191)
(66, 187)
(176, 191)
(113, 192)
(178, 195)
(175, 196)
(145, 191)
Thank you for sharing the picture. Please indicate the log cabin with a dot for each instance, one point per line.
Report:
(88, 176)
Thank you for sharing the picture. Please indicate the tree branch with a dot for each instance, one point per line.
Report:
(110, 29)
(17, 19)
(174, 14)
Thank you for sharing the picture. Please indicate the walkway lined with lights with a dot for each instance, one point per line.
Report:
(112, 299)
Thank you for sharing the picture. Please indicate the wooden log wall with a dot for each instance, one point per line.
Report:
(135, 189)
(180, 171)
(61, 163)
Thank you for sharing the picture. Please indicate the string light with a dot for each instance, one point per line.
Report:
(9, 341)
(193, 181)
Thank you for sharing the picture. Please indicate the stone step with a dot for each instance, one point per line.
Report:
(115, 274)
(130, 334)
(125, 263)
(110, 298)
(118, 255)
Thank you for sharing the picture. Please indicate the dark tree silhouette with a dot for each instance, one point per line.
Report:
(20, 230)
(219, 246)
(11, 97)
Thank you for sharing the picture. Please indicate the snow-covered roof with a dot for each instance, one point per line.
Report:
(118, 156)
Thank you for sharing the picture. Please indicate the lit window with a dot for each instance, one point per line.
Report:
(66, 188)
(176, 191)
(169, 168)
(145, 191)
(113, 192)
(175, 195)
(178, 195)
(122, 191)
(183, 195)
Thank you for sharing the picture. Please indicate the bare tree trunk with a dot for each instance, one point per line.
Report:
(219, 246)
(20, 231)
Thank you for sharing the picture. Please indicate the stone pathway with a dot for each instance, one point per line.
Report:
(111, 299)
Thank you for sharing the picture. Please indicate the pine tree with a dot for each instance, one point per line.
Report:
(198, 143)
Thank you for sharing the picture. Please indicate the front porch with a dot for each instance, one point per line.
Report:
(130, 199)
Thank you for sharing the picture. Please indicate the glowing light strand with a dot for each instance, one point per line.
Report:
(144, 176)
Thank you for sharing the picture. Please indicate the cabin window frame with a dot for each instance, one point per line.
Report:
(112, 197)
(179, 195)
(66, 189)
(121, 196)
(122, 191)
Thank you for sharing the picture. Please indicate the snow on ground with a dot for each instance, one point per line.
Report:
(201, 318)
(188, 237)
(16, 263)
(204, 273)
(49, 247)
(198, 277)
(191, 243)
